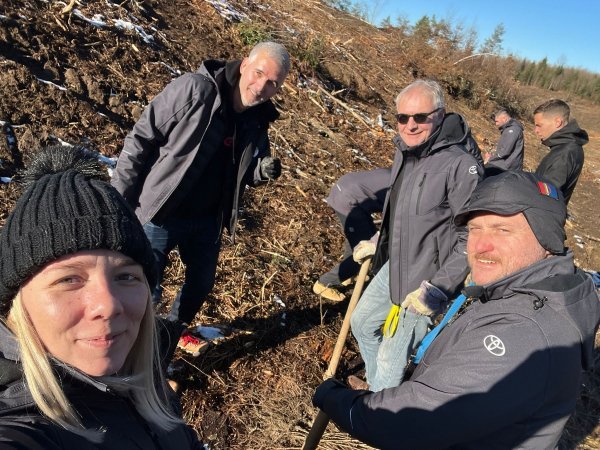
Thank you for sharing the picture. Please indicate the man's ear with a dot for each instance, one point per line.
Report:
(559, 122)
(244, 64)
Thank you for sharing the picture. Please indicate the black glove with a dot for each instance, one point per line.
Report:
(270, 168)
(324, 388)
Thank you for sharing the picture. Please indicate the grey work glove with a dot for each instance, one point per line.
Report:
(270, 168)
(365, 249)
(428, 300)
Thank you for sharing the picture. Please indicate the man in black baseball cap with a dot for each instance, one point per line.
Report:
(514, 220)
(506, 373)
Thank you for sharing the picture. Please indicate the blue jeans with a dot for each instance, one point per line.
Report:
(199, 242)
(385, 358)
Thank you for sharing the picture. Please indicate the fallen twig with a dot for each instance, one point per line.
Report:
(345, 106)
(69, 7)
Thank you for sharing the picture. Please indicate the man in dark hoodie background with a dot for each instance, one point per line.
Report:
(184, 166)
(554, 127)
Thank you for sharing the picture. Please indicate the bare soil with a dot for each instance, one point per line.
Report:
(253, 388)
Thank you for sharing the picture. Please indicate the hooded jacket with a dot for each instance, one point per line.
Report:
(563, 164)
(176, 137)
(509, 150)
(430, 183)
(110, 419)
(503, 374)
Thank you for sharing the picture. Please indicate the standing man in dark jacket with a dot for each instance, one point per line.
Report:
(186, 162)
(563, 164)
(505, 372)
(508, 154)
(421, 249)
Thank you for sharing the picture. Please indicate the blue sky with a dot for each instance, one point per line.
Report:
(563, 31)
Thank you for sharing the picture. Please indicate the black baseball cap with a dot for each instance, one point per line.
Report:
(512, 192)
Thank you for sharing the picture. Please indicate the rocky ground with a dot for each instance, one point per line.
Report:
(83, 74)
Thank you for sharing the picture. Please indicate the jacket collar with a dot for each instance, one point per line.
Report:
(569, 133)
(11, 370)
(452, 131)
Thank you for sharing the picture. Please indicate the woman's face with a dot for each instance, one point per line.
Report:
(87, 307)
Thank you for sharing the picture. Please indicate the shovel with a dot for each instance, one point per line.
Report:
(321, 420)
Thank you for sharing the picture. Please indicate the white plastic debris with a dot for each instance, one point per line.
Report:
(5, 179)
(96, 21)
(277, 300)
(124, 25)
(227, 11)
(110, 162)
(62, 88)
(171, 69)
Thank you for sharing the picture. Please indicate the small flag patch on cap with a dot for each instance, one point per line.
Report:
(548, 190)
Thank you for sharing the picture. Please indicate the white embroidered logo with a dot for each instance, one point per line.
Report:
(494, 345)
(473, 170)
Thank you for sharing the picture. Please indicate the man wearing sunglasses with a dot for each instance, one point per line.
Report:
(420, 259)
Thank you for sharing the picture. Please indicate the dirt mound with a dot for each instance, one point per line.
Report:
(84, 76)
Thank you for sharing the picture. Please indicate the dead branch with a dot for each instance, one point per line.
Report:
(67, 9)
(345, 106)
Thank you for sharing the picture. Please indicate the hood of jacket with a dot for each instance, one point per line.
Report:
(452, 131)
(14, 394)
(511, 123)
(226, 76)
(556, 283)
(10, 369)
(569, 133)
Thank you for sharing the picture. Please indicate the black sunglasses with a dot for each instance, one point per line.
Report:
(418, 118)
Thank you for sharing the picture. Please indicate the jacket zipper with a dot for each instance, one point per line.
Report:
(164, 200)
(420, 193)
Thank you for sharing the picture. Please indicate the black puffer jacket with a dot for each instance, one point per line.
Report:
(563, 164)
(112, 419)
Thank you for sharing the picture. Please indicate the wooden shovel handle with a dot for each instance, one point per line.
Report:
(321, 420)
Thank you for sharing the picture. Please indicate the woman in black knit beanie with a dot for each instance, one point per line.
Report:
(78, 349)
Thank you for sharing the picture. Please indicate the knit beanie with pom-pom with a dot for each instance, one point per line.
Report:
(67, 206)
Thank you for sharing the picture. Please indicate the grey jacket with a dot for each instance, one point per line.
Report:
(509, 150)
(432, 183)
(365, 190)
(563, 164)
(503, 374)
(177, 135)
(23, 426)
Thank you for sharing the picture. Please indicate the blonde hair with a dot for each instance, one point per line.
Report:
(138, 379)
